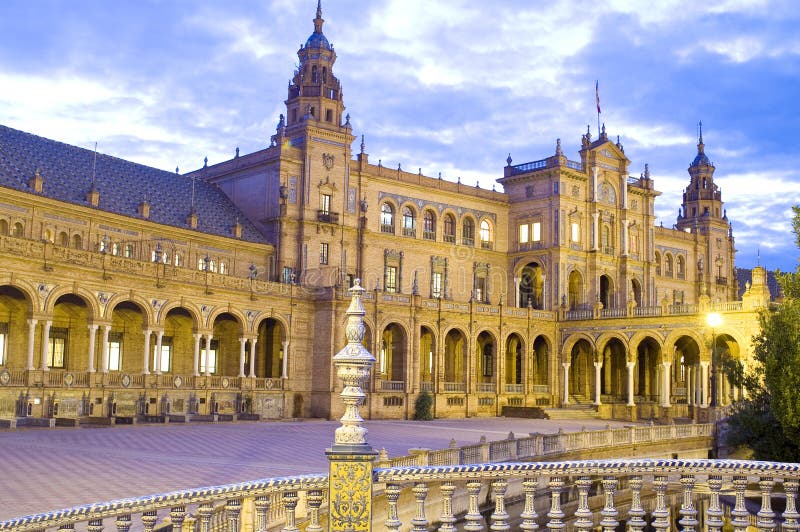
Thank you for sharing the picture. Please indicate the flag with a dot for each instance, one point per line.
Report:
(597, 95)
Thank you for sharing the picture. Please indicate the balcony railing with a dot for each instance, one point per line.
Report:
(387, 228)
(485, 387)
(391, 386)
(468, 241)
(449, 238)
(429, 235)
(409, 231)
(485, 244)
(454, 387)
(328, 217)
(515, 388)
(722, 281)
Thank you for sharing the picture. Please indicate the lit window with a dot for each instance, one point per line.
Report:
(436, 284)
(480, 289)
(409, 222)
(391, 279)
(486, 232)
(523, 233)
(3, 342)
(57, 347)
(288, 275)
(429, 225)
(128, 252)
(537, 232)
(178, 260)
(166, 353)
(387, 218)
(323, 253)
(449, 228)
(212, 358)
(575, 232)
(115, 351)
(488, 361)
(325, 204)
(115, 249)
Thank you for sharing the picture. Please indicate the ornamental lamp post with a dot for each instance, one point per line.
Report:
(714, 320)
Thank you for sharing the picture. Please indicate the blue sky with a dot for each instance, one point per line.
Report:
(448, 86)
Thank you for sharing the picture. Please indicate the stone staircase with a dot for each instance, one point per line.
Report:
(579, 408)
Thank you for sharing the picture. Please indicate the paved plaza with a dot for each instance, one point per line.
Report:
(48, 469)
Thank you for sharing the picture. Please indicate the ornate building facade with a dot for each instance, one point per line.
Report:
(132, 293)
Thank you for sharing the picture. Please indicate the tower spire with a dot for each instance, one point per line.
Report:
(319, 20)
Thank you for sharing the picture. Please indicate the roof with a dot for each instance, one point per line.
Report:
(123, 185)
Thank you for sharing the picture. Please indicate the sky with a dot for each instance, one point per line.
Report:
(450, 86)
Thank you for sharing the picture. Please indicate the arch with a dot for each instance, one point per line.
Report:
(680, 267)
(455, 356)
(15, 307)
(427, 357)
(88, 298)
(531, 286)
(685, 355)
(179, 325)
(139, 301)
(603, 341)
(607, 291)
(227, 328)
(514, 357)
(19, 229)
(581, 371)
(409, 220)
(726, 355)
(657, 260)
(449, 227)
(194, 312)
(575, 290)
(3, 227)
(27, 292)
(485, 233)
(63, 239)
(486, 357)
(429, 224)
(392, 355)
(540, 360)
(68, 343)
(614, 373)
(648, 355)
(269, 359)
(636, 291)
(77, 241)
(468, 231)
(668, 265)
(387, 217)
(129, 318)
(48, 236)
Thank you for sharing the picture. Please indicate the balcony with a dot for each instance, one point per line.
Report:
(429, 235)
(449, 238)
(328, 217)
(409, 231)
(485, 244)
(722, 281)
(387, 228)
(468, 241)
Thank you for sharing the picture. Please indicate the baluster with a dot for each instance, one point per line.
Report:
(636, 513)
(555, 515)
(688, 512)
(176, 515)
(447, 519)
(149, 519)
(70, 526)
(499, 517)
(474, 519)
(609, 512)
(766, 517)
(261, 505)
(314, 498)
(204, 512)
(740, 514)
(661, 512)
(420, 523)
(714, 512)
(528, 514)
(583, 514)
(289, 500)
(95, 525)
(123, 523)
(393, 523)
(232, 509)
(791, 519)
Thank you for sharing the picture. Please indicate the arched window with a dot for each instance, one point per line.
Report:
(223, 267)
(128, 251)
(486, 235)
(681, 267)
(449, 228)
(605, 240)
(409, 222)
(314, 76)
(178, 260)
(48, 235)
(429, 225)
(658, 263)
(19, 230)
(468, 232)
(3, 227)
(77, 242)
(63, 239)
(668, 265)
(387, 218)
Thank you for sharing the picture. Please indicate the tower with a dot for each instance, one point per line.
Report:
(703, 215)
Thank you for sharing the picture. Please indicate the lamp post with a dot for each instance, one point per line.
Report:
(104, 251)
(158, 259)
(714, 320)
(207, 267)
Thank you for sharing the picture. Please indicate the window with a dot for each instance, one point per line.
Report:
(429, 225)
(325, 203)
(486, 235)
(323, 253)
(288, 275)
(178, 260)
(488, 360)
(104, 245)
(391, 279)
(409, 222)
(328, 115)
(115, 351)
(668, 265)
(523, 233)
(468, 232)
(76, 241)
(166, 354)
(387, 218)
(63, 239)
(128, 251)
(57, 347)
(480, 289)
(681, 268)
(212, 358)
(449, 228)
(658, 263)
(536, 233)
(223, 267)
(436, 284)
(159, 255)
(3, 342)
(575, 234)
(3, 227)
(19, 230)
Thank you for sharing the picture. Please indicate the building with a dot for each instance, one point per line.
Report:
(132, 293)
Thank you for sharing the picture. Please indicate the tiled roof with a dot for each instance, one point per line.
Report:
(67, 175)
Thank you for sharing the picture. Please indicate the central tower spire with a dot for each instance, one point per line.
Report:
(319, 20)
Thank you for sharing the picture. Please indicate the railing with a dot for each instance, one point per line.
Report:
(729, 306)
(528, 246)
(426, 386)
(683, 309)
(575, 165)
(449, 238)
(468, 241)
(328, 217)
(387, 228)
(269, 384)
(485, 387)
(392, 386)
(429, 235)
(578, 314)
(647, 311)
(515, 388)
(485, 244)
(527, 167)
(613, 312)
(454, 387)
(541, 388)
(409, 231)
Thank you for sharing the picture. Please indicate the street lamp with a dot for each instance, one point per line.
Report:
(714, 320)
(158, 258)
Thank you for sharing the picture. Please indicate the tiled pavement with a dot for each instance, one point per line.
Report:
(47, 469)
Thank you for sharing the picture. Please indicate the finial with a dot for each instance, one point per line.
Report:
(205, 162)
(347, 120)
(399, 168)
(363, 146)
(281, 122)
(558, 147)
(420, 171)
(493, 189)
(237, 152)
(459, 180)
(319, 20)
(477, 184)
(177, 170)
(700, 131)
(440, 176)
(508, 160)
(603, 131)
(647, 170)
(380, 163)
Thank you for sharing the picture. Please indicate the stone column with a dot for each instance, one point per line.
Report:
(517, 302)
(598, 366)
(92, 335)
(207, 355)
(104, 349)
(157, 357)
(285, 361)
(45, 344)
(196, 360)
(242, 341)
(253, 343)
(704, 384)
(595, 229)
(31, 342)
(666, 387)
(625, 245)
(566, 382)
(689, 385)
(146, 352)
(631, 368)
